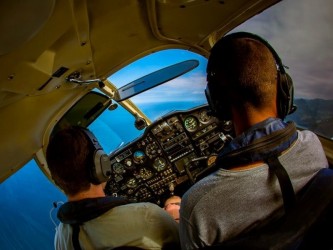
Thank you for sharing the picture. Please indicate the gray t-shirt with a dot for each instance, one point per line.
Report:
(228, 202)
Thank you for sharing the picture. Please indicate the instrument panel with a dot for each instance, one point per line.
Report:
(169, 157)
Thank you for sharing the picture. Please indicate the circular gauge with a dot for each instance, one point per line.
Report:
(131, 183)
(211, 160)
(145, 173)
(204, 117)
(128, 163)
(159, 163)
(191, 123)
(152, 149)
(139, 156)
(227, 126)
(118, 168)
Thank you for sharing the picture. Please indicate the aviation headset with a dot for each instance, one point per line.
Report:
(98, 170)
(285, 92)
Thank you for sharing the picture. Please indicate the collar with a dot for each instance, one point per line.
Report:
(77, 212)
(265, 139)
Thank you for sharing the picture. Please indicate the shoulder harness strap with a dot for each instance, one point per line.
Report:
(287, 190)
(266, 149)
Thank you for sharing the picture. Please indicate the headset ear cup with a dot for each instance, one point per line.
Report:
(285, 95)
(218, 105)
(100, 160)
(291, 106)
(97, 175)
(210, 101)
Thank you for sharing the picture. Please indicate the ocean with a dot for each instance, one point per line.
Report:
(26, 201)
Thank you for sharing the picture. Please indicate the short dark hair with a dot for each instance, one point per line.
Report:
(245, 70)
(69, 155)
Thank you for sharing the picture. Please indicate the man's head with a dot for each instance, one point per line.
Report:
(245, 73)
(172, 206)
(70, 158)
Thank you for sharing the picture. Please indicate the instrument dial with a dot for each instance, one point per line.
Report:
(129, 165)
(191, 123)
(139, 157)
(159, 163)
(204, 117)
(152, 149)
(131, 183)
(118, 168)
(228, 126)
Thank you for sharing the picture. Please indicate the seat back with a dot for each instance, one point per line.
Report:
(127, 248)
(308, 225)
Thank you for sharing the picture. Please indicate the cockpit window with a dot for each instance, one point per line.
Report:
(181, 93)
(116, 128)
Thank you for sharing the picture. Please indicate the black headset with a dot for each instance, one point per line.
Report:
(285, 93)
(99, 170)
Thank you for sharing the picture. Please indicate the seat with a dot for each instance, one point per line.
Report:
(307, 225)
(127, 248)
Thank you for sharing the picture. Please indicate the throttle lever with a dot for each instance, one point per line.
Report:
(187, 169)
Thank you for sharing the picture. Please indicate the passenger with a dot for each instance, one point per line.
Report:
(70, 160)
(172, 206)
(248, 85)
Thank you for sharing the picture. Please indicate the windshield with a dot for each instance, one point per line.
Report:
(116, 128)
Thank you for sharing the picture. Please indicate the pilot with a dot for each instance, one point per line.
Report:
(172, 206)
(248, 85)
(90, 219)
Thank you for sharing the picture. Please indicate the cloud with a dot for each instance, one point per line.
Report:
(302, 34)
